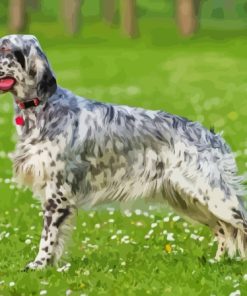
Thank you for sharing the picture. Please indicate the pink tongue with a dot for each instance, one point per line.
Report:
(6, 83)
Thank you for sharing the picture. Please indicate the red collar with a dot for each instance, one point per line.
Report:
(19, 120)
(28, 104)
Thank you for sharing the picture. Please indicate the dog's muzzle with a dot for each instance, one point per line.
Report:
(7, 83)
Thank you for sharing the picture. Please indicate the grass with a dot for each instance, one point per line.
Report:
(144, 251)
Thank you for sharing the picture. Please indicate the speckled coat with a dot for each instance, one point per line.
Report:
(75, 152)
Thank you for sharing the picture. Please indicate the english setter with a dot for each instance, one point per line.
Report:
(74, 152)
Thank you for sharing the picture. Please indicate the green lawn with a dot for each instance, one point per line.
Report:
(146, 251)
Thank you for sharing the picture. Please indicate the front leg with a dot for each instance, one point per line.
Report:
(58, 213)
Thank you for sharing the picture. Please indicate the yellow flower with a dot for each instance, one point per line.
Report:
(168, 248)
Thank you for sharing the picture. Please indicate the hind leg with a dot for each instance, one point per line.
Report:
(221, 239)
(230, 239)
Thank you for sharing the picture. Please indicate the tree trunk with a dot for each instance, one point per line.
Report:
(187, 16)
(218, 11)
(34, 4)
(17, 16)
(129, 18)
(71, 13)
(229, 5)
(108, 10)
(197, 5)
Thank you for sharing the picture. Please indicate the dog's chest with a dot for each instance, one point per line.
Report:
(36, 163)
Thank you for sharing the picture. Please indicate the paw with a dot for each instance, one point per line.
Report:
(35, 265)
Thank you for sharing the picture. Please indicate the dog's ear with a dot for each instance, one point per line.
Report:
(41, 72)
(47, 84)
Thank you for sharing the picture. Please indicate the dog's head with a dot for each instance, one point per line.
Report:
(24, 69)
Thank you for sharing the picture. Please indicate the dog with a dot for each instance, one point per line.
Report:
(73, 152)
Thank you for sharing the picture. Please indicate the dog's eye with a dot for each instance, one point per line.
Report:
(4, 49)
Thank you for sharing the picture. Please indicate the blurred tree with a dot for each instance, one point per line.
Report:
(229, 9)
(108, 10)
(218, 9)
(71, 14)
(129, 18)
(229, 4)
(187, 16)
(34, 4)
(17, 16)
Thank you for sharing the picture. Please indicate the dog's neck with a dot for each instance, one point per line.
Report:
(26, 114)
(31, 102)
(29, 121)
(32, 105)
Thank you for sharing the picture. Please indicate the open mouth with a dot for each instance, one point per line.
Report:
(6, 83)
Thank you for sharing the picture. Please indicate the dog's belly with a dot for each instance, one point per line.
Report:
(166, 175)
(143, 172)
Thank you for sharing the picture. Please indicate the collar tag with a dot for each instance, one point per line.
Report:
(19, 120)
